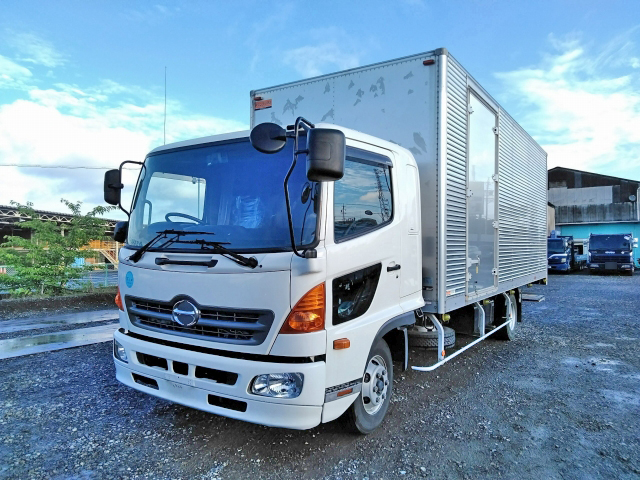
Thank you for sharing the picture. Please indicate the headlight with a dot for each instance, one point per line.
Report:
(119, 352)
(278, 385)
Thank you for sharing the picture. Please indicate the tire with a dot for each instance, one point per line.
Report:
(421, 337)
(363, 416)
(507, 332)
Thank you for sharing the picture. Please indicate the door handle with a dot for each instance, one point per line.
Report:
(394, 268)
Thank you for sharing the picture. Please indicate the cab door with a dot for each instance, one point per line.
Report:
(364, 259)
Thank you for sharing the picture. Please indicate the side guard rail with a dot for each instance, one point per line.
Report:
(441, 353)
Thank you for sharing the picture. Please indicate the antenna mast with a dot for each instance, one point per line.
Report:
(165, 107)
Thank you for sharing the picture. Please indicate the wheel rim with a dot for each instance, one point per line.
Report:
(512, 315)
(375, 385)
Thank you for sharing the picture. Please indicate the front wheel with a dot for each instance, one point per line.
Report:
(369, 409)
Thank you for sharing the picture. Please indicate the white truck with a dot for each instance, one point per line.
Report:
(274, 276)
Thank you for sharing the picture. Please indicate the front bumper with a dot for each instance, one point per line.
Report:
(608, 267)
(562, 267)
(229, 400)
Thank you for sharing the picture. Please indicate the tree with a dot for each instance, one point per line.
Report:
(45, 263)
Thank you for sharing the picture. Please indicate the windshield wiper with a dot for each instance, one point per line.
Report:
(162, 234)
(138, 254)
(217, 247)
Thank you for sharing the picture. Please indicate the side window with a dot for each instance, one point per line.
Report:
(171, 193)
(354, 292)
(362, 199)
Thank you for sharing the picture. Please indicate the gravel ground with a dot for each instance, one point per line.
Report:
(561, 401)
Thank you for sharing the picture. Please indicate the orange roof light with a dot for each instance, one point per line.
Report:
(308, 314)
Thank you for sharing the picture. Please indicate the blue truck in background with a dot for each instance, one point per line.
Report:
(612, 253)
(561, 254)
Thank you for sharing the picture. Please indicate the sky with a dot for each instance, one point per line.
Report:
(82, 83)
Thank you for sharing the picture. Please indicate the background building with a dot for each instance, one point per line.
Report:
(11, 220)
(588, 203)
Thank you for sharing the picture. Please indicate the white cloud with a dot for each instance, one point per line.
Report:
(332, 50)
(150, 13)
(13, 75)
(93, 126)
(36, 50)
(583, 105)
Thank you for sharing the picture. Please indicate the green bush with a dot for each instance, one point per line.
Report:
(44, 264)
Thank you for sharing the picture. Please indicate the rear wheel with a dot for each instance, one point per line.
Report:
(511, 314)
(369, 409)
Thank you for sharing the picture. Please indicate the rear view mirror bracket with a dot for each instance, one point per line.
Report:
(113, 185)
(325, 150)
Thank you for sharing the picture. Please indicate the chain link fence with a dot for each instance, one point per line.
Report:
(100, 275)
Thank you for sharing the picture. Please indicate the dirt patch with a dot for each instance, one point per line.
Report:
(28, 307)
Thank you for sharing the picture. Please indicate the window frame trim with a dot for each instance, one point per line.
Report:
(372, 159)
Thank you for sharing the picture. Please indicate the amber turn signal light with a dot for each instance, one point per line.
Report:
(118, 300)
(341, 344)
(308, 314)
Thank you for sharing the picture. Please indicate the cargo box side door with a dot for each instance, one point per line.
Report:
(481, 195)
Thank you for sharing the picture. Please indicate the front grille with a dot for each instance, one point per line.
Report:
(225, 325)
(595, 258)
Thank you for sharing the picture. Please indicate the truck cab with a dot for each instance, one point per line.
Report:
(221, 314)
(560, 253)
(609, 253)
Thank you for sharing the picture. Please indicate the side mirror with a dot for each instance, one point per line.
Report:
(635, 243)
(112, 187)
(120, 232)
(268, 137)
(327, 151)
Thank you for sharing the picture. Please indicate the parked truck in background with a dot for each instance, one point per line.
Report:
(560, 254)
(564, 254)
(274, 276)
(612, 253)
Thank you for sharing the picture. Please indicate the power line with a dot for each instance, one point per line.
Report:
(69, 167)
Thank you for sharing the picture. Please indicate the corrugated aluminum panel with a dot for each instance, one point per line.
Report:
(522, 202)
(456, 195)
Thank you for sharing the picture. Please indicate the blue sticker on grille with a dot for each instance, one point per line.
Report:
(129, 279)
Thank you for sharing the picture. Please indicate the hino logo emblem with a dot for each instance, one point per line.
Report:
(185, 313)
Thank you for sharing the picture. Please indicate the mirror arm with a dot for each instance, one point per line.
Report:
(121, 185)
(307, 125)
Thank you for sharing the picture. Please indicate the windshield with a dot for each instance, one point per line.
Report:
(230, 190)
(610, 242)
(555, 246)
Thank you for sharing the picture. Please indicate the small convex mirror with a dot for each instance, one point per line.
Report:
(112, 187)
(120, 231)
(327, 152)
(268, 137)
